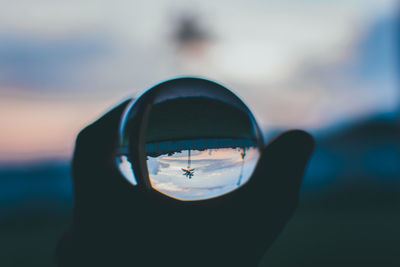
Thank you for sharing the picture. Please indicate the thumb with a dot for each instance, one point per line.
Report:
(281, 168)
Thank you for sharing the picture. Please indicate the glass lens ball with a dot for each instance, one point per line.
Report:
(198, 140)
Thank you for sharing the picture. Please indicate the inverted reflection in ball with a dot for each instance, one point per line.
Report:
(200, 143)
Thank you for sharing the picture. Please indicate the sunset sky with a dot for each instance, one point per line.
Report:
(297, 64)
(216, 172)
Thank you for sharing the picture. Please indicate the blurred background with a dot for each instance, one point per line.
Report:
(329, 67)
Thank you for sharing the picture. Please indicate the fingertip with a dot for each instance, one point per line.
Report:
(102, 134)
(300, 140)
(109, 122)
(283, 161)
(114, 115)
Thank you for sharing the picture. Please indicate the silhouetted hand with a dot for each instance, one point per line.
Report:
(116, 224)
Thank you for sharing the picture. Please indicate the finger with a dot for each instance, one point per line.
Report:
(99, 140)
(94, 168)
(281, 168)
(93, 163)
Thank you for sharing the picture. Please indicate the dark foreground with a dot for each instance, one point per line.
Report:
(322, 233)
(349, 213)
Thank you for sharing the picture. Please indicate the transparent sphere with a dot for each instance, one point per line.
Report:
(189, 139)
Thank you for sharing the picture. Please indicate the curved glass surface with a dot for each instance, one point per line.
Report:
(197, 145)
